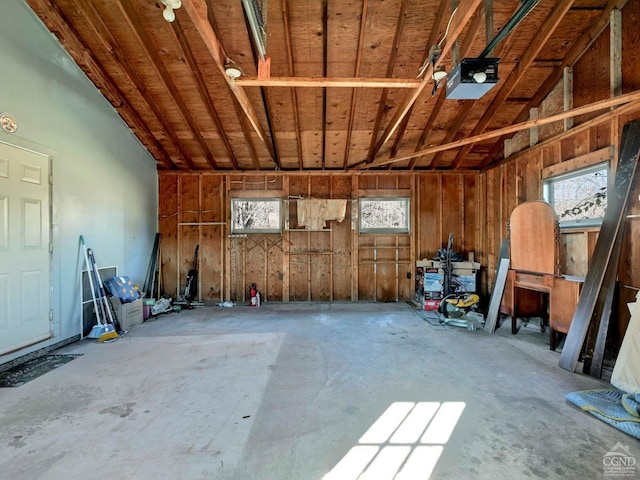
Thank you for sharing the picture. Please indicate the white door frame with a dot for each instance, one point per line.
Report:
(22, 145)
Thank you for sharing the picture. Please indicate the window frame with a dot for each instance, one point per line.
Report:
(258, 230)
(385, 230)
(575, 223)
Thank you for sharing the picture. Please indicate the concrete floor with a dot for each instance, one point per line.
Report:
(286, 391)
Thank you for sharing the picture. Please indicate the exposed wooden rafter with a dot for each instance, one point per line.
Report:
(574, 53)
(433, 36)
(308, 82)
(354, 93)
(164, 78)
(325, 60)
(197, 12)
(294, 95)
(537, 44)
(459, 20)
(435, 111)
(476, 23)
(202, 90)
(390, 66)
(633, 98)
(131, 17)
(71, 41)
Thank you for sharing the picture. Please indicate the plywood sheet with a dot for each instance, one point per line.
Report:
(168, 226)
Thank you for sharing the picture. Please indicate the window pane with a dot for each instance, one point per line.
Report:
(579, 198)
(384, 215)
(256, 215)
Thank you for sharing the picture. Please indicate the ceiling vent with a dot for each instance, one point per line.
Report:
(472, 78)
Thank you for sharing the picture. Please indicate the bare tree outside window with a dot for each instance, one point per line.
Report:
(256, 215)
(579, 198)
(380, 215)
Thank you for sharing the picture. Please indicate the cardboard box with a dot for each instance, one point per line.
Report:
(433, 281)
(424, 263)
(459, 268)
(469, 282)
(129, 314)
(466, 266)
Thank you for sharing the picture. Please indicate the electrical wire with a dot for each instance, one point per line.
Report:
(446, 32)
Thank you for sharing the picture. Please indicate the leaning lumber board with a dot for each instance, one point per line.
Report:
(496, 296)
(610, 278)
(603, 305)
(616, 207)
(498, 288)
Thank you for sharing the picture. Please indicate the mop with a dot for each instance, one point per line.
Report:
(102, 331)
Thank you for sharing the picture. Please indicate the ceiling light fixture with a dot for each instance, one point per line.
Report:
(439, 74)
(170, 5)
(232, 69)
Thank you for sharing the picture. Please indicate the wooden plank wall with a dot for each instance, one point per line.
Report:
(519, 178)
(337, 264)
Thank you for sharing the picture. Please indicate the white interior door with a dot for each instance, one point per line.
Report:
(24, 248)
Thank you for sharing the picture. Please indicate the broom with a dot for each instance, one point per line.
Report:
(102, 331)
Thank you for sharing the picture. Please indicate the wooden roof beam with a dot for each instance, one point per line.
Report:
(536, 45)
(436, 108)
(435, 111)
(575, 52)
(137, 29)
(197, 12)
(329, 82)
(460, 17)
(202, 89)
(354, 93)
(56, 22)
(390, 67)
(627, 98)
(466, 107)
(325, 68)
(294, 96)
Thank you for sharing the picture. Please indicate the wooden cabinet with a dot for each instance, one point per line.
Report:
(563, 301)
(547, 296)
(534, 286)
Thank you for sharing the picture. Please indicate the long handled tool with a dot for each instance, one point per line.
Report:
(102, 331)
(152, 270)
(103, 295)
(191, 288)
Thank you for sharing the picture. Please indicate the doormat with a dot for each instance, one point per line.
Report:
(27, 371)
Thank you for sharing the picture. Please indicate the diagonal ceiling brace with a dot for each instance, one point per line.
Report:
(459, 20)
(197, 12)
(538, 42)
(632, 98)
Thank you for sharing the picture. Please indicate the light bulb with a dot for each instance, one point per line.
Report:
(480, 77)
(233, 72)
(439, 74)
(168, 14)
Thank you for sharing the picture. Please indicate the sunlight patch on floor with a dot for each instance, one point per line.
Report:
(404, 443)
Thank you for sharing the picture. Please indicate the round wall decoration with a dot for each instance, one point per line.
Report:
(8, 122)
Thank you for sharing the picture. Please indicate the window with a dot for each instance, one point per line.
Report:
(384, 215)
(580, 197)
(256, 215)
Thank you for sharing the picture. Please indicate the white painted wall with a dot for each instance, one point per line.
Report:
(104, 180)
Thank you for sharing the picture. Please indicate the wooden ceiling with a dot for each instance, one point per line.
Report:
(343, 91)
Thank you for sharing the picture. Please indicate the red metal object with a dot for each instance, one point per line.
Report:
(254, 296)
(431, 304)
